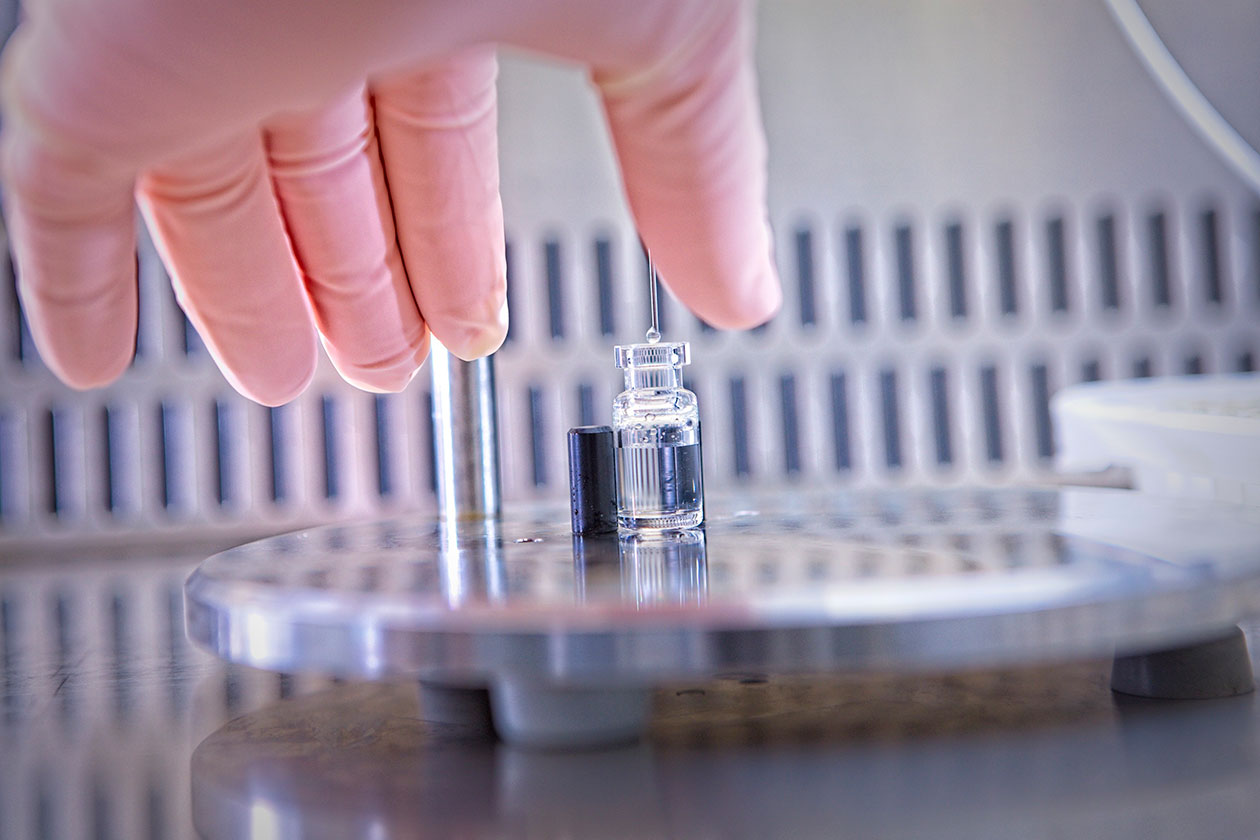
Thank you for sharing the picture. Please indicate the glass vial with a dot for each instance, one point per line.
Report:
(656, 428)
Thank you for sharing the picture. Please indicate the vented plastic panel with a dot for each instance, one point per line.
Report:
(956, 243)
(905, 352)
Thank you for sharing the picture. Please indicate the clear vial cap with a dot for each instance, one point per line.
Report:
(653, 365)
(660, 354)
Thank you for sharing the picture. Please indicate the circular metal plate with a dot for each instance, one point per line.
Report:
(794, 582)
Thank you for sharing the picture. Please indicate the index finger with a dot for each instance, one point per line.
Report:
(693, 158)
(72, 225)
(680, 97)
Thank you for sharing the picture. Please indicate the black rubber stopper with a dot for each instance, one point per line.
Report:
(592, 483)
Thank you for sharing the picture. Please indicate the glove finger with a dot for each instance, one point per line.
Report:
(328, 178)
(72, 232)
(216, 224)
(437, 129)
(693, 158)
(679, 93)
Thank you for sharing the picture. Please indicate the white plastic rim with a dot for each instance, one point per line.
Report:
(1203, 430)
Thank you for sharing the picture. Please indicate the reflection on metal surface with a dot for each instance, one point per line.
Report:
(646, 569)
(471, 560)
(666, 568)
(103, 698)
(808, 582)
(1036, 754)
(881, 756)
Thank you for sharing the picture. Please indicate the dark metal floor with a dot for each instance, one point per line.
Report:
(114, 727)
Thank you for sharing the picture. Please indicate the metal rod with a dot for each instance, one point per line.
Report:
(654, 331)
(465, 436)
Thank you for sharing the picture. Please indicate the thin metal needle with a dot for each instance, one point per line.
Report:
(654, 331)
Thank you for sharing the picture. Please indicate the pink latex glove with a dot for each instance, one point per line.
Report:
(333, 165)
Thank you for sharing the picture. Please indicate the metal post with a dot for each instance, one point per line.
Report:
(465, 436)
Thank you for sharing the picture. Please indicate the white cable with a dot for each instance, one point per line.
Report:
(1194, 106)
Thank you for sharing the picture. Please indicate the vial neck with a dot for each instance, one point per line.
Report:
(653, 376)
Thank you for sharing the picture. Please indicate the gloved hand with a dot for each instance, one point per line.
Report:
(332, 165)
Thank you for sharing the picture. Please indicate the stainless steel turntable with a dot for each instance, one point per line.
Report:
(570, 634)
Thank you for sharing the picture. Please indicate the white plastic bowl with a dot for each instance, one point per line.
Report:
(1193, 436)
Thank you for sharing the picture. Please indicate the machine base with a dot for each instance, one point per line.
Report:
(547, 718)
(541, 717)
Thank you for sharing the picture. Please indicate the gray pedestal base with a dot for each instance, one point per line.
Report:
(541, 717)
(1219, 667)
